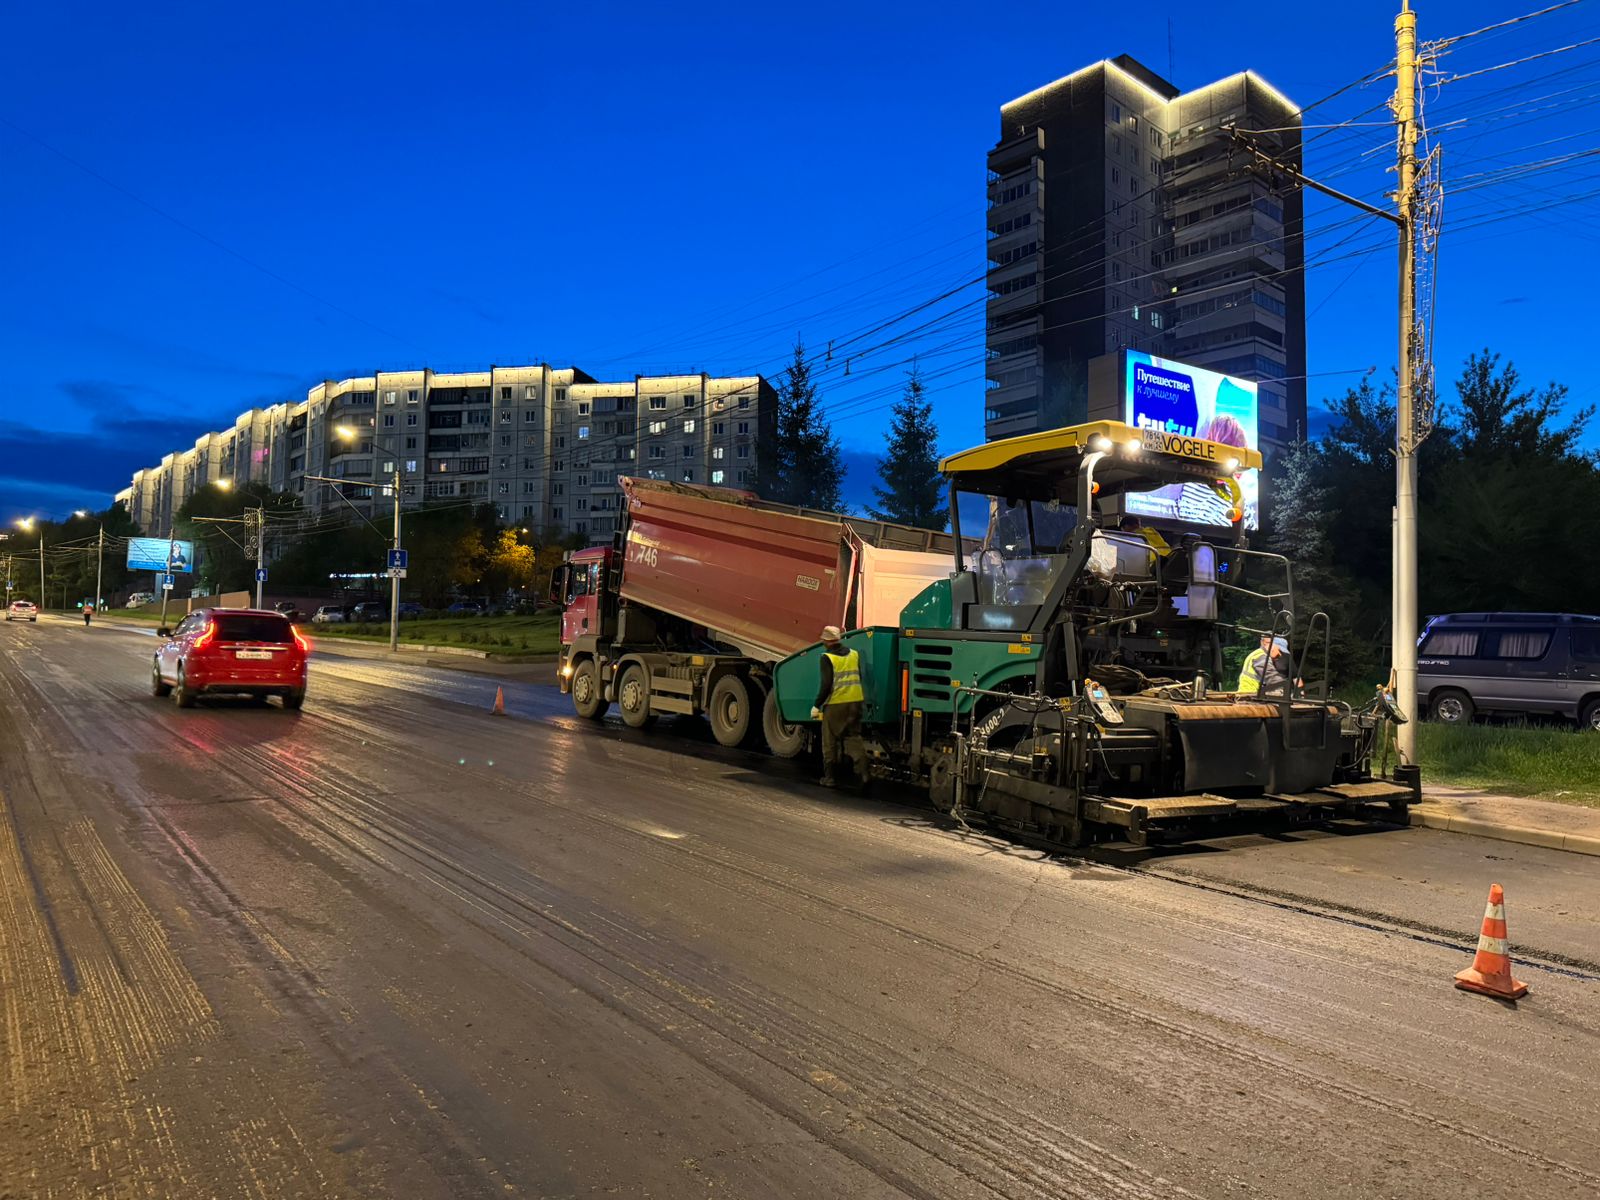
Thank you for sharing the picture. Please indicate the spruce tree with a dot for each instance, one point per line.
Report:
(912, 491)
(802, 464)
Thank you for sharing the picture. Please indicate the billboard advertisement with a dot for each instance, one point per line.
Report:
(1173, 397)
(160, 554)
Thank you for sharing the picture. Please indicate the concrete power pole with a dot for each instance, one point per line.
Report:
(100, 568)
(261, 550)
(1406, 424)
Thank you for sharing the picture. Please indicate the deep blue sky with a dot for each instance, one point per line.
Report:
(204, 208)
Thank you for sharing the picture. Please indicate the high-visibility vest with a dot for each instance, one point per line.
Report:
(846, 678)
(1250, 674)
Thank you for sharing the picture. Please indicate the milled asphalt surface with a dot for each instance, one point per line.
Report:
(396, 946)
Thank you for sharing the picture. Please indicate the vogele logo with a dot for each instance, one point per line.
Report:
(1164, 399)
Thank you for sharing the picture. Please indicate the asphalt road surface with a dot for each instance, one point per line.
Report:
(397, 946)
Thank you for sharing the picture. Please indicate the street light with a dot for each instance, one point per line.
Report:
(100, 559)
(27, 523)
(350, 433)
(223, 485)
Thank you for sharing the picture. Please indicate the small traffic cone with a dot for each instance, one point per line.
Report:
(1490, 972)
(499, 708)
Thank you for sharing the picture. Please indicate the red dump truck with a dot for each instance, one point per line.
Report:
(705, 588)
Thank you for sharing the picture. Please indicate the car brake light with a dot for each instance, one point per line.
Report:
(305, 646)
(206, 637)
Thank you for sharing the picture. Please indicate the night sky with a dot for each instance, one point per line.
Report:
(205, 208)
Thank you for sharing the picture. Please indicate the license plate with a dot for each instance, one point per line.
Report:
(252, 653)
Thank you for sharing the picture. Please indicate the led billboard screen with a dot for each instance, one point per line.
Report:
(1174, 397)
(159, 554)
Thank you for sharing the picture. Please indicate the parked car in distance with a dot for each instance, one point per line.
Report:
(233, 651)
(410, 610)
(370, 610)
(286, 607)
(328, 614)
(466, 608)
(1526, 663)
(139, 599)
(22, 610)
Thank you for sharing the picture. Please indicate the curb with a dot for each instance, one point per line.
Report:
(1548, 839)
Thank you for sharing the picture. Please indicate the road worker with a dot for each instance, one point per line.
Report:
(1268, 670)
(838, 706)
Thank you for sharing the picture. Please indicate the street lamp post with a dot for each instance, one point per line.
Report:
(348, 433)
(99, 562)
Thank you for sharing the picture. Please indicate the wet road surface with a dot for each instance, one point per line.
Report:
(396, 946)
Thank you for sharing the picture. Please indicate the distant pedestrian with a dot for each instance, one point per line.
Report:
(839, 702)
(88, 614)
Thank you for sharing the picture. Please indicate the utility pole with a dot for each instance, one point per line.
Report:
(99, 567)
(1406, 425)
(394, 573)
(261, 550)
(42, 600)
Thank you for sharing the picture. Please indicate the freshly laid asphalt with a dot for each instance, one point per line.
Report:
(395, 945)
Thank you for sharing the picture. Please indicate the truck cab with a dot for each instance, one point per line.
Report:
(577, 588)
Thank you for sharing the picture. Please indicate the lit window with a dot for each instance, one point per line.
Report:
(716, 452)
(716, 477)
(388, 397)
(531, 392)
(688, 425)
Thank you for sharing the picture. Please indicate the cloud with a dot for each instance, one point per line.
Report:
(39, 466)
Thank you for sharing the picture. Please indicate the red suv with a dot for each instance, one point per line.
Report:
(239, 651)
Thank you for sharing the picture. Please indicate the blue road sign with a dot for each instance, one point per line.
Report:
(168, 580)
(261, 574)
(397, 560)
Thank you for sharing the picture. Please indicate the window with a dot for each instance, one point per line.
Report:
(413, 395)
(744, 426)
(583, 481)
(530, 464)
(505, 393)
(561, 395)
(716, 452)
(529, 488)
(505, 441)
(716, 477)
(718, 428)
(658, 402)
(503, 489)
(1451, 643)
(742, 452)
(583, 432)
(744, 401)
(689, 401)
(658, 426)
(411, 443)
(1522, 643)
(658, 451)
(531, 392)
(388, 420)
(688, 425)
(507, 416)
(388, 468)
(477, 416)
(1116, 175)
(388, 397)
(583, 408)
(1586, 645)
(1116, 112)
(1133, 122)
(688, 449)
(503, 464)
(411, 420)
(557, 489)
(555, 513)
(527, 510)
(744, 476)
(1133, 185)
(561, 442)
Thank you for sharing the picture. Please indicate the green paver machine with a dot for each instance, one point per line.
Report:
(1068, 681)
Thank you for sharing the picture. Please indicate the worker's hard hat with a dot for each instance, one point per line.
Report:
(831, 633)
(1280, 643)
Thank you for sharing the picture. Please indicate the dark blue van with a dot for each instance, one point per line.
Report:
(1536, 663)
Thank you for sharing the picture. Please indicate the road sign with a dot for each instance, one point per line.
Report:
(167, 581)
(398, 560)
(9, 585)
(397, 572)
(261, 574)
(166, 585)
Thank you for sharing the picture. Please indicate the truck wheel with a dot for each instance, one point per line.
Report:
(633, 697)
(731, 719)
(783, 739)
(1452, 708)
(587, 698)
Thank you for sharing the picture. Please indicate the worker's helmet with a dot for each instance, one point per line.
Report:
(831, 633)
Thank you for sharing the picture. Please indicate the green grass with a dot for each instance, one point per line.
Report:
(533, 636)
(1546, 764)
(149, 614)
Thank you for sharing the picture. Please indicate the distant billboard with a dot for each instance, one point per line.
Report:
(1158, 393)
(160, 554)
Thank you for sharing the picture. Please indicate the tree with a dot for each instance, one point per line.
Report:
(509, 564)
(1497, 419)
(802, 465)
(228, 560)
(913, 490)
(1301, 528)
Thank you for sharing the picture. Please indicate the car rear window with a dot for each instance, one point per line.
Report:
(237, 627)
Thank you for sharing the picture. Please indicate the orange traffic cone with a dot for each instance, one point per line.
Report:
(1490, 972)
(499, 708)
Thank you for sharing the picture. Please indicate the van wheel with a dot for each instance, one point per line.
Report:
(783, 739)
(1452, 708)
(730, 711)
(633, 697)
(1590, 719)
(587, 699)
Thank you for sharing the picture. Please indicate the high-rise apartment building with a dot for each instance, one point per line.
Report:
(1122, 215)
(543, 445)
